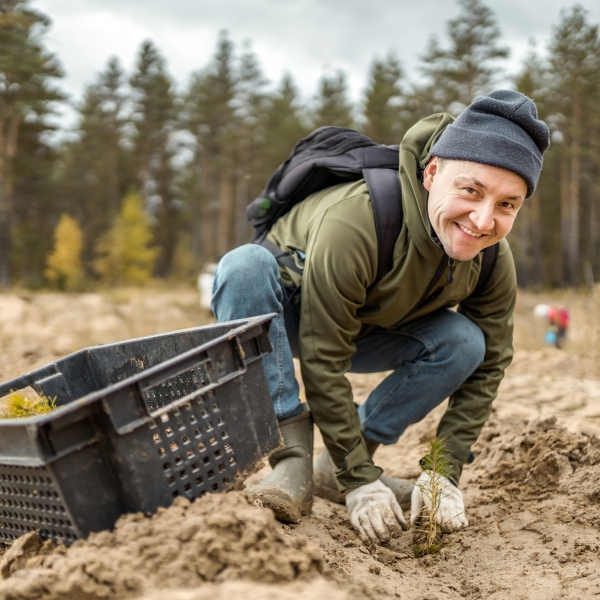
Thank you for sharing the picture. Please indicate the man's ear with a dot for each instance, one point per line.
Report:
(429, 173)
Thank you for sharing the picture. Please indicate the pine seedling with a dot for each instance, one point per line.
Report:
(435, 462)
(19, 405)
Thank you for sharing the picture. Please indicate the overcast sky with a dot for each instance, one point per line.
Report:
(304, 37)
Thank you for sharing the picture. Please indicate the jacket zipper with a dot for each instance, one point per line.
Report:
(446, 261)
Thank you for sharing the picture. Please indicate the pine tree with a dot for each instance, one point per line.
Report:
(250, 117)
(38, 204)
(95, 168)
(26, 72)
(113, 102)
(284, 126)
(209, 116)
(526, 236)
(332, 104)
(591, 187)
(468, 67)
(154, 120)
(381, 105)
(417, 102)
(64, 269)
(574, 56)
(125, 254)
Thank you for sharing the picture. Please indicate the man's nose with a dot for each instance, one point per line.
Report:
(483, 216)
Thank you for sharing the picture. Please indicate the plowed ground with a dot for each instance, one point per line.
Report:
(532, 495)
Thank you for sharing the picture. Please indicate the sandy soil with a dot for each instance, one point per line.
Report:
(532, 495)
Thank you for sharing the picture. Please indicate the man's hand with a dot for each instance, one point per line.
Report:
(451, 513)
(375, 513)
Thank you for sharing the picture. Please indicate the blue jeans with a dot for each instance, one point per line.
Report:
(430, 357)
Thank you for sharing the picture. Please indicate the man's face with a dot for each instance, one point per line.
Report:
(471, 206)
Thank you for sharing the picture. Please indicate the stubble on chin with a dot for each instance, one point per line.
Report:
(463, 255)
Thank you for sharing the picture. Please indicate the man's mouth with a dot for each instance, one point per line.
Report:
(469, 232)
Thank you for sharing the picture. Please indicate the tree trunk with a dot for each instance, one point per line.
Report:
(594, 187)
(197, 199)
(5, 223)
(203, 214)
(574, 188)
(565, 215)
(242, 200)
(9, 133)
(536, 241)
(524, 262)
(242, 196)
(225, 205)
(113, 175)
(4, 217)
(213, 175)
(165, 226)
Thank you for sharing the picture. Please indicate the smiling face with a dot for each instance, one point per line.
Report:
(471, 206)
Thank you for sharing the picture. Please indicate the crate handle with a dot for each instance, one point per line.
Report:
(195, 394)
(151, 394)
(219, 366)
(54, 386)
(186, 399)
(62, 438)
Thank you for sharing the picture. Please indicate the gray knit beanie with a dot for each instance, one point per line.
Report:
(502, 130)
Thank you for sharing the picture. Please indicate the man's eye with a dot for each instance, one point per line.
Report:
(506, 205)
(469, 190)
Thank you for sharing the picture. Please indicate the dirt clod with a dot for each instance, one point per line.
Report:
(530, 459)
(26, 552)
(217, 538)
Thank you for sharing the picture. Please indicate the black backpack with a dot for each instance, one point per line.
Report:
(329, 156)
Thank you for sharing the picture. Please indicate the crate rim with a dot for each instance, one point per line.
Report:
(75, 405)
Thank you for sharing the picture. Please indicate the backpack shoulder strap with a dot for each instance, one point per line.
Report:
(327, 157)
(488, 262)
(284, 258)
(386, 199)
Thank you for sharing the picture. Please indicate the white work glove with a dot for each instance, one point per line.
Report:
(451, 514)
(375, 513)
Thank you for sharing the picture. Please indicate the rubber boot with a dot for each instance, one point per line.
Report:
(288, 490)
(325, 484)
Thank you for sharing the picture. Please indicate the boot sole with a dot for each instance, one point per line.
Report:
(285, 509)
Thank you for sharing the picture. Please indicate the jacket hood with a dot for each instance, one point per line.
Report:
(415, 151)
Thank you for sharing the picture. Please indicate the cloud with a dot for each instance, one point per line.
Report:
(304, 37)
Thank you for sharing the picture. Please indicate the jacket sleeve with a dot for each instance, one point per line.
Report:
(340, 265)
(471, 404)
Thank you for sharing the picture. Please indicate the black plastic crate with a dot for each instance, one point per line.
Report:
(139, 423)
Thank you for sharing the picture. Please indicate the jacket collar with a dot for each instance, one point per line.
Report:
(414, 155)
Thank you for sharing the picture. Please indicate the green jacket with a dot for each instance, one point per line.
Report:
(336, 231)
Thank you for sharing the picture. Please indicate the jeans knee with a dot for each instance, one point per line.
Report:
(245, 267)
(468, 339)
(246, 284)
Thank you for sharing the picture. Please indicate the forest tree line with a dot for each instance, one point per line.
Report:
(179, 167)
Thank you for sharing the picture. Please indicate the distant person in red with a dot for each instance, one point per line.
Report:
(558, 319)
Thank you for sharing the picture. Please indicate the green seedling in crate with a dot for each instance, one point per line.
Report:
(25, 403)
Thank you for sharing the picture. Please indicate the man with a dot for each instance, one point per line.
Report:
(463, 183)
